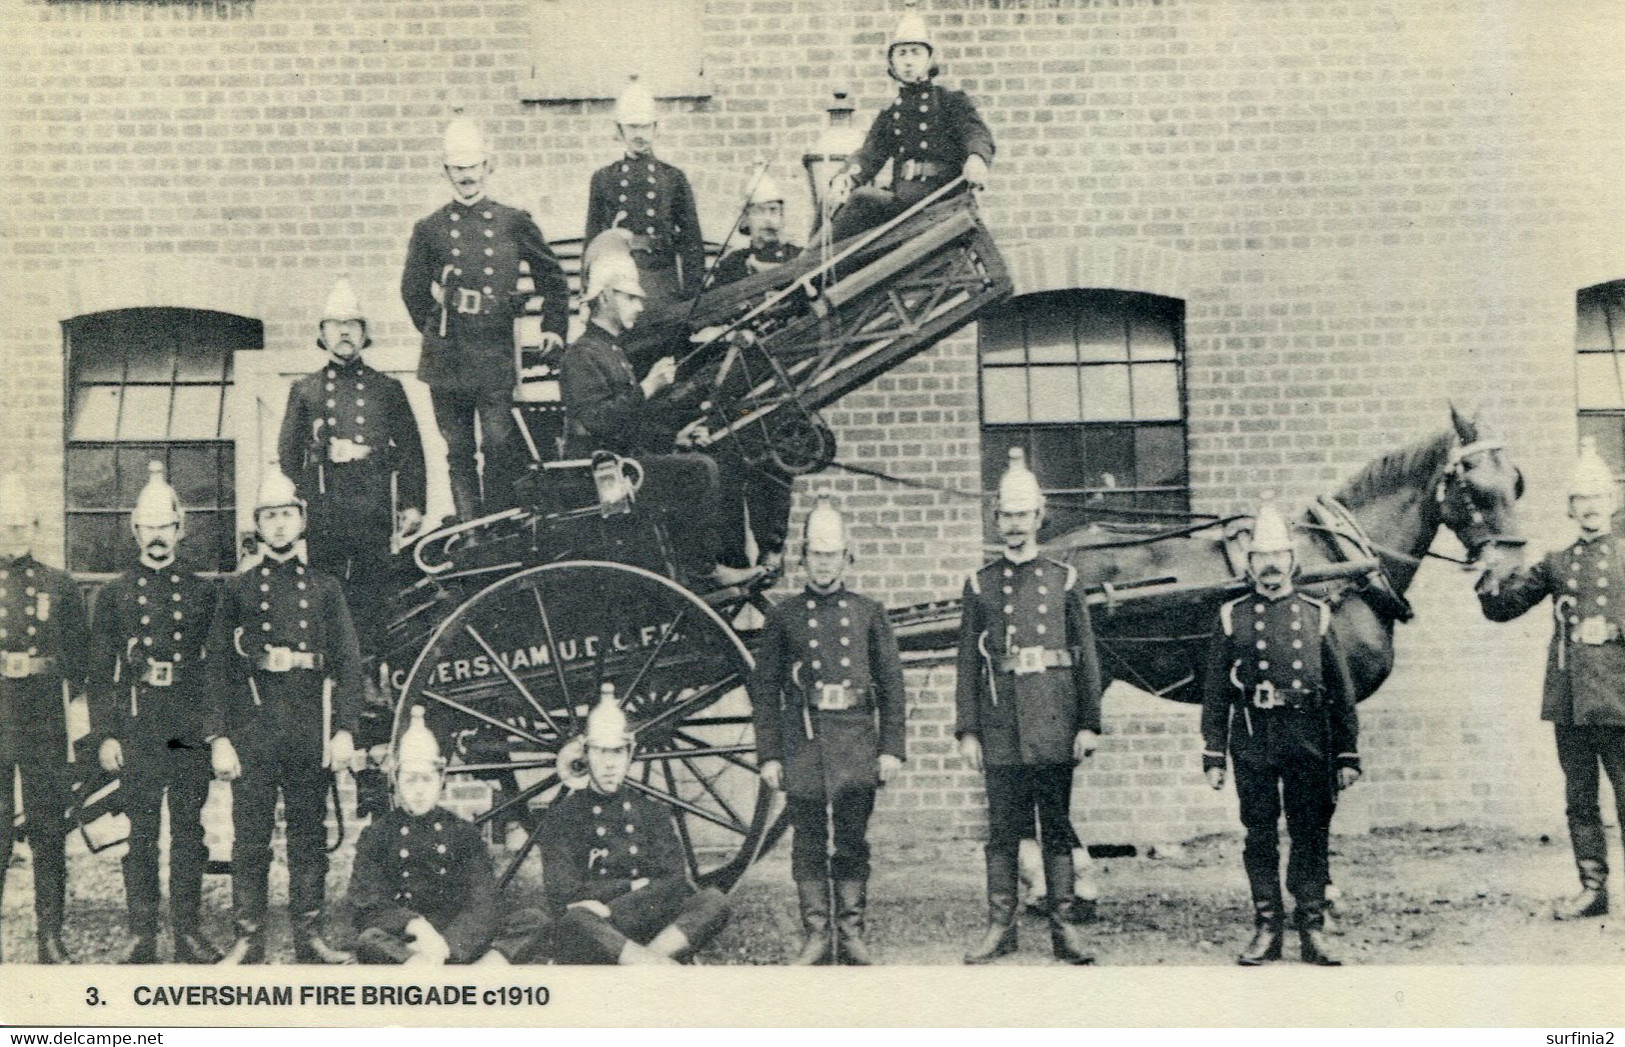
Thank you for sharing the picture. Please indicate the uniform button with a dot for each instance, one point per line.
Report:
(486, 214)
(141, 581)
(303, 646)
(846, 621)
(405, 830)
(597, 809)
(304, 603)
(1602, 601)
(487, 290)
(1574, 583)
(925, 109)
(632, 850)
(650, 212)
(329, 386)
(925, 145)
(1042, 628)
(265, 588)
(812, 623)
(176, 615)
(454, 216)
(146, 641)
(456, 233)
(1297, 665)
(846, 663)
(841, 604)
(177, 636)
(1602, 583)
(440, 848)
(489, 233)
(1573, 620)
(456, 252)
(332, 403)
(1008, 573)
(624, 183)
(846, 641)
(1008, 609)
(265, 627)
(811, 605)
(1262, 644)
(265, 572)
(1258, 608)
(175, 597)
(1043, 609)
(626, 805)
(457, 272)
(489, 271)
(1295, 625)
(489, 252)
(1259, 626)
(600, 830)
(1263, 665)
(1297, 645)
(146, 619)
(812, 643)
(405, 853)
(1008, 590)
(925, 127)
(303, 624)
(1296, 684)
(1043, 590)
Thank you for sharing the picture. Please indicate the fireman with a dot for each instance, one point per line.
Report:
(763, 221)
(1028, 712)
(148, 694)
(285, 676)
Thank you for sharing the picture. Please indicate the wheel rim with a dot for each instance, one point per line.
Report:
(507, 679)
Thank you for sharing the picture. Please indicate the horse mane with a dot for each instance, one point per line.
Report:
(1383, 476)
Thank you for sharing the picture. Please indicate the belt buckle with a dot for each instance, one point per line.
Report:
(468, 301)
(834, 697)
(17, 665)
(1029, 660)
(278, 659)
(1594, 631)
(1265, 696)
(160, 674)
(341, 450)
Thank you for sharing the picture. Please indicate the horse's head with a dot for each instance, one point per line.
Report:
(1479, 489)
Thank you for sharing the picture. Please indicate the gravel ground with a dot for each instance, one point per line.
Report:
(1459, 895)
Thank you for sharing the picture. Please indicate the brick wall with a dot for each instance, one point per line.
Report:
(1368, 208)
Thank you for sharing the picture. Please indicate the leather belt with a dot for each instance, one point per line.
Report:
(836, 697)
(1596, 631)
(341, 451)
(1267, 696)
(1024, 661)
(20, 665)
(918, 170)
(285, 659)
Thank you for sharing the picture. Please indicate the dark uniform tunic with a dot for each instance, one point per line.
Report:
(147, 689)
(433, 866)
(347, 433)
(605, 410)
(474, 252)
(827, 699)
(43, 650)
(1028, 682)
(928, 132)
(652, 200)
(280, 630)
(1584, 692)
(1278, 698)
(747, 261)
(594, 847)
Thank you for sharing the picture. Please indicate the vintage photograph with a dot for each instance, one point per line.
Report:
(1046, 483)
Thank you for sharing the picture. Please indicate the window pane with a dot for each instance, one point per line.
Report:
(92, 483)
(152, 359)
(210, 537)
(1156, 391)
(1599, 383)
(95, 413)
(1151, 338)
(1591, 331)
(194, 471)
(1110, 457)
(1057, 457)
(1055, 394)
(93, 542)
(1004, 394)
(200, 361)
(1105, 394)
(96, 362)
(1001, 338)
(1614, 303)
(146, 413)
(1159, 456)
(1101, 335)
(1166, 501)
(1609, 432)
(1050, 337)
(197, 413)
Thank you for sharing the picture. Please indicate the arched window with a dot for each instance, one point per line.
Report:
(1092, 384)
(1599, 343)
(147, 384)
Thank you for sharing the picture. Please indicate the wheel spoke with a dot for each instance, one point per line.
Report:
(518, 685)
(735, 760)
(683, 754)
(522, 796)
(553, 656)
(699, 699)
(705, 783)
(720, 721)
(531, 837)
(691, 859)
(493, 768)
(518, 732)
(684, 805)
(665, 634)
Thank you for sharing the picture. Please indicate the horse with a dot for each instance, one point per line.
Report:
(1390, 511)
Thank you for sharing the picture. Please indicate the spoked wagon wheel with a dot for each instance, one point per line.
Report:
(507, 680)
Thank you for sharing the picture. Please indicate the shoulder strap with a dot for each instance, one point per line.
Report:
(1227, 613)
(1325, 612)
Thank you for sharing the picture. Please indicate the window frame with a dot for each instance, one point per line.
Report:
(1608, 298)
(1125, 309)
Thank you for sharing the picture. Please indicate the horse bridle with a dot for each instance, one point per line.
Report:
(1452, 488)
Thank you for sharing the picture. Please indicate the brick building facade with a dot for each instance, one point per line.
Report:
(1361, 211)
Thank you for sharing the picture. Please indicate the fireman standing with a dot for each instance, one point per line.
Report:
(828, 702)
(1028, 712)
(150, 703)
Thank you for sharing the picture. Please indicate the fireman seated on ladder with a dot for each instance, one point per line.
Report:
(607, 408)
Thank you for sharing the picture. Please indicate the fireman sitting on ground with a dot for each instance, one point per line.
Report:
(616, 880)
(423, 890)
(608, 409)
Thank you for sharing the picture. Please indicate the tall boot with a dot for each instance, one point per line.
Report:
(1000, 937)
(813, 896)
(852, 904)
(192, 947)
(249, 946)
(1593, 897)
(465, 498)
(51, 949)
(1312, 944)
(310, 947)
(1066, 940)
(1267, 934)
